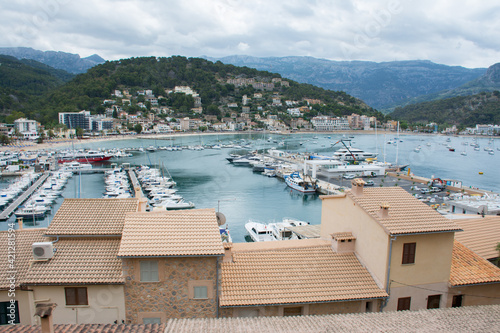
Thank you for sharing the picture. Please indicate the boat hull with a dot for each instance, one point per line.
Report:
(84, 159)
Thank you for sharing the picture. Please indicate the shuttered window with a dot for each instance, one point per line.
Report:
(409, 253)
(404, 303)
(76, 296)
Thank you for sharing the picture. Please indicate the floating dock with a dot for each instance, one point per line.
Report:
(5, 214)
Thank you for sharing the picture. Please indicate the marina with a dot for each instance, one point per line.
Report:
(207, 179)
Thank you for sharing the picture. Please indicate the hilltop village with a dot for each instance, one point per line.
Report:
(108, 261)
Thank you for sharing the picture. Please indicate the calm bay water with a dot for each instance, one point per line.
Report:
(207, 179)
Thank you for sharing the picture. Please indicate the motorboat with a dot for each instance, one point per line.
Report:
(296, 182)
(31, 212)
(89, 156)
(176, 204)
(261, 232)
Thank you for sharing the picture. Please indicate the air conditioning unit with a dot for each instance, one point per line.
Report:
(43, 250)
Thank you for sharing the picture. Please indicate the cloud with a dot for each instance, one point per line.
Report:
(454, 33)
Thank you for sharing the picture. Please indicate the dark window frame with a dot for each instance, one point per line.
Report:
(431, 299)
(457, 301)
(404, 303)
(78, 298)
(409, 250)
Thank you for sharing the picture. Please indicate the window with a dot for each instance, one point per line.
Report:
(154, 320)
(295, 311)
(200, 292)
(404, 303)
(5, 310)
(149, 271)
(457, 301)
(369, 307)
(433, 301)
(409, 253)
(76, 296)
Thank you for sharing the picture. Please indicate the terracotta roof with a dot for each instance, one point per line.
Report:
(89, 328)
(23, 253)
(481, 235)
(88, 217)
(171, 233)
(464, 319)
(343, 236)
(79, 260)
(303, 273)
(407, 215)
(469, 268)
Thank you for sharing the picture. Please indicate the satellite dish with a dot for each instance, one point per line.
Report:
(221, 219)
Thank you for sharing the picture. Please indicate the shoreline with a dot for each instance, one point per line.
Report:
(59, 143)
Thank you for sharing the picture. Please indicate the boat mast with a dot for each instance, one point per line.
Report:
(397, 146)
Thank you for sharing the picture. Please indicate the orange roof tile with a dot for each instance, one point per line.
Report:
(171, 233)
(310, 272)
(481, 235)
(343, 236)
(85, 217)
(23, 239)
(79, 260)
(469, 268)
(89, 328)
(407, 215)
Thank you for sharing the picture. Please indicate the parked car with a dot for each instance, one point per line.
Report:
(349, 176)
(435, 189)
(369, 183)
(425, 191)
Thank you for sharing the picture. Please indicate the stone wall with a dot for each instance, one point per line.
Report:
(170, 297)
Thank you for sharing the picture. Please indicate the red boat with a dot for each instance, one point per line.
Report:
(90, 156)
(451, 149)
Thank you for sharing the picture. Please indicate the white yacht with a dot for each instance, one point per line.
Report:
(260, 232)
(353, 154)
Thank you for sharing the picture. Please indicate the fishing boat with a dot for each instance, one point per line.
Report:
(261, 232)
(31, 212)
(296, 182)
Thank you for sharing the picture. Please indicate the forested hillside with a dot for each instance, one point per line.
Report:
(87, 91)
(483, 108)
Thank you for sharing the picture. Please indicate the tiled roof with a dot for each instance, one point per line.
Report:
(481, 235)
(171, 233)
(89, 328)
(407, 215)
(306, 271)
(88, 217)
(23, 253)
(465, 319)
(469, 268)
(79, 260)
(343, 236)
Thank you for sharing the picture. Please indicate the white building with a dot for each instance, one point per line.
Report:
(28, 128)
(327, 123)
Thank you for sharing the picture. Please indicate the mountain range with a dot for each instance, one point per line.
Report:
(382, 85)
(71, 63)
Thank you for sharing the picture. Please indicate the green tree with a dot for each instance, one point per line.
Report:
(138, 128)
(4, 139)
(79, 132)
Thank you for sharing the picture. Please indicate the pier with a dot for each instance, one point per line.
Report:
(135, 184)
(5, 214)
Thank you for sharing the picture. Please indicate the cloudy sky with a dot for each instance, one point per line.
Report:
(451, 32)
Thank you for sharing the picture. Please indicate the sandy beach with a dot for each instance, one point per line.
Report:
(26, 145)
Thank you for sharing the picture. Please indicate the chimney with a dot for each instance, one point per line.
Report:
(20, 223)
(343, 242)
(44, 311)
(143, 202)
(357, 185)
(228, 253)
(384, 210)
